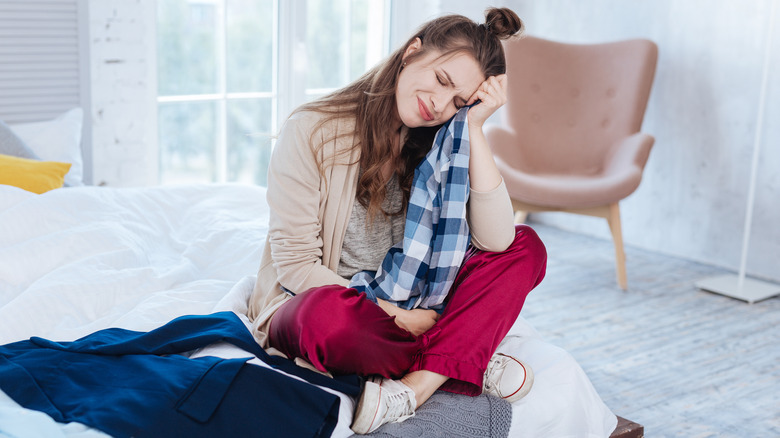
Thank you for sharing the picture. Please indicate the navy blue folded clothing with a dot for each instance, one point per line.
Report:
(129, 383)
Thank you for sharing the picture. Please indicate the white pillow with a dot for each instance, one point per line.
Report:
(11, 144)
(57, 140)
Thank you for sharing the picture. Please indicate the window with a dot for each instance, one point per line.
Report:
(230, 71)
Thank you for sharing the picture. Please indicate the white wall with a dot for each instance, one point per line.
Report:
(702, 112)
(123, 91)
(407, 16)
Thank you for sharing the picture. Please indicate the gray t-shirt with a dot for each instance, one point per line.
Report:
(365, 246)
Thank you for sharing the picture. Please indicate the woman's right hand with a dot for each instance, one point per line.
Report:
(415, 321)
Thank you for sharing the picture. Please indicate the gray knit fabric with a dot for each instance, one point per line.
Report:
(447, 415)
(366, 246)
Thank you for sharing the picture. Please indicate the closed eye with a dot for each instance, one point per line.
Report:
(460, 103)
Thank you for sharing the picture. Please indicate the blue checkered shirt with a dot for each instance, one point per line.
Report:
(420, 271)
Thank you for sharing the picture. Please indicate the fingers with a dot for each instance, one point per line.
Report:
(473, 98)
(418, 321)
(430, 313)
(501, 81)
(492, 90)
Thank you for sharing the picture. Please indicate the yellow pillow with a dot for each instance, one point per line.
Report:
(32, 175)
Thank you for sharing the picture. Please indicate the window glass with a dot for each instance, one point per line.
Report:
(249, 47)
(187, 139)
(186, 47)
(248, 140)
(219, 76)
(358, 38)
(326, 45)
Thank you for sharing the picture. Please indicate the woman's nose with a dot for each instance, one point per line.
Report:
(441, 101)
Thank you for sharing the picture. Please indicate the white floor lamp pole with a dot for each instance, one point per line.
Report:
(739, 286)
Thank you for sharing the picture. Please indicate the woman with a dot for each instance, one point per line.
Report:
(338, 184)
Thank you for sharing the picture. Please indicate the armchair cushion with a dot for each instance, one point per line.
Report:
(617, 179)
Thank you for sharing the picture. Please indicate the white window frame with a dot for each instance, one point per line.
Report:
(289, 67)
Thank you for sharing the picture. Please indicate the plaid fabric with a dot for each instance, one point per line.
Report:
(419, 271)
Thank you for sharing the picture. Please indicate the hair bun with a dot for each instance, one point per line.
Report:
(503, 22)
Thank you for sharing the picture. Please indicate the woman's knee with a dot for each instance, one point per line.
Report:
(339, 330)
(530, 251)
(528, 241)
(314, 322)
(327, 312)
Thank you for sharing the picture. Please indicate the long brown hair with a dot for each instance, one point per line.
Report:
(370, 100)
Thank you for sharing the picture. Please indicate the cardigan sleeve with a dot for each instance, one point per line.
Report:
(491, 219)
(294, 200)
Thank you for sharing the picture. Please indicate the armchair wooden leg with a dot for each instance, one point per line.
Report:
(521, 213)
(617, 237)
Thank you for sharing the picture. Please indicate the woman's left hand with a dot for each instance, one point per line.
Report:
(492, 94)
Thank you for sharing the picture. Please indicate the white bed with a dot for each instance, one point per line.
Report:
(80, 259)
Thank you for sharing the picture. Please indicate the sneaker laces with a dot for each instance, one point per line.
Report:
(493, 366)
(399, 406)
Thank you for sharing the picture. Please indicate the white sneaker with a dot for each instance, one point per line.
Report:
(507, 377)
(383, 401)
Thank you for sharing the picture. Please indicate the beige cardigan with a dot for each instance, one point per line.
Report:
(310, 211)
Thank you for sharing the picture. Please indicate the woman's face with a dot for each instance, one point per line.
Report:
(432, 88)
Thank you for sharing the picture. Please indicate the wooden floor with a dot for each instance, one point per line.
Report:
(680, 361)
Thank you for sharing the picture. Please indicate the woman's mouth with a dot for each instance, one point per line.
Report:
(424, 113)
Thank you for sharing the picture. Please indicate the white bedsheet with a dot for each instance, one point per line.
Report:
(77, 260)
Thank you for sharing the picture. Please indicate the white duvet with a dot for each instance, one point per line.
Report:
(77, 260)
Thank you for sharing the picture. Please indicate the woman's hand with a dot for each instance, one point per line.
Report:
(483, 173)
(492, 94)
(416, 321)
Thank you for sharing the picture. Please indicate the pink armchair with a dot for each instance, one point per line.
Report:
(571, 137)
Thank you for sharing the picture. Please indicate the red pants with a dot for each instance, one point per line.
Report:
(338, 330)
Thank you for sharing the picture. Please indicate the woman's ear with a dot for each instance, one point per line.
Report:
(415, 46)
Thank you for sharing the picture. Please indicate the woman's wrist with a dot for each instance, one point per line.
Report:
(390, 309)
(474, 125)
